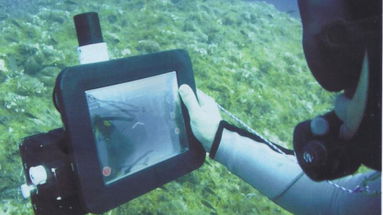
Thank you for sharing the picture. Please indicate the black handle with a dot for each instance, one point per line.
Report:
(88, 28)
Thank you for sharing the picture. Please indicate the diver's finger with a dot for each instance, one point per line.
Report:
(204, 99)
(189, 99)
(208, 105)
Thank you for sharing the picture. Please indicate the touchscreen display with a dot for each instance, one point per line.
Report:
(136, 124)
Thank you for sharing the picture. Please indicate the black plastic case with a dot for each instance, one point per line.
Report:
(71, 85)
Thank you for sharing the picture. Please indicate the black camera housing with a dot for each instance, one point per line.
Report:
(76, 152)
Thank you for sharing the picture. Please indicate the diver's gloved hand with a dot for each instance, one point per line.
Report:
(204, 115)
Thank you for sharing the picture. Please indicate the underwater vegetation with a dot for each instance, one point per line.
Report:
(247, 55)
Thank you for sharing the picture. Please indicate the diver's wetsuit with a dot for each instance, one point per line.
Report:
(279, 177)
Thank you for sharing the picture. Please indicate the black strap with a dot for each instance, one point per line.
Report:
(225, 125)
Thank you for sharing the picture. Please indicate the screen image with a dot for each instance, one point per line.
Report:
(136, 124)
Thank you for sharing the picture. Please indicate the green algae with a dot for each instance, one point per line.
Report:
(248, 56)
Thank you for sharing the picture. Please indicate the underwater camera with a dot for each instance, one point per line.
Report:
(126, 131)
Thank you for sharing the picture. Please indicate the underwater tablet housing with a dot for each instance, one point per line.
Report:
(125, 133)
(126, 126)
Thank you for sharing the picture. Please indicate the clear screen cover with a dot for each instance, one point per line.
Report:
(136, 124)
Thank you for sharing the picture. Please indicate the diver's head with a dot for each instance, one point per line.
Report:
(336, 34)
(342, 45)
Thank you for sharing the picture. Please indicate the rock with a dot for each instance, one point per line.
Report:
(3, 71)
(3, 68)
(148, 46)
(126, 52)
(32, 65)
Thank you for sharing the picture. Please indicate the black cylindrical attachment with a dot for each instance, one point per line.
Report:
(88, 28)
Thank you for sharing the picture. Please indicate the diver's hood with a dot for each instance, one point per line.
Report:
(335, 33)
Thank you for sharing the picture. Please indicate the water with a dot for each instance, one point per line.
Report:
(239, 50)
(289, 6)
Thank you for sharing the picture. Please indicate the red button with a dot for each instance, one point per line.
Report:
(106, 171)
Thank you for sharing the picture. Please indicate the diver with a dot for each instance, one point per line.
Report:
(342, 46)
